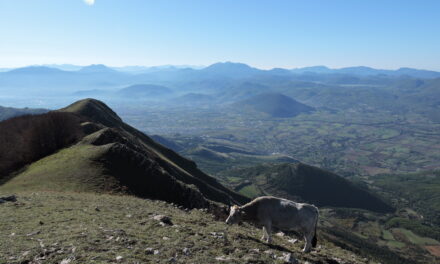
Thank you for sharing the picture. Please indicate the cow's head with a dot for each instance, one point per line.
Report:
(234, 215)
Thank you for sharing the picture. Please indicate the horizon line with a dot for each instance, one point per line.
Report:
(53, 65)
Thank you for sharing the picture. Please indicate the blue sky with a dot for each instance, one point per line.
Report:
(263, 33)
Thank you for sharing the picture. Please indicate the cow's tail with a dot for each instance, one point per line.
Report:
(315, 238)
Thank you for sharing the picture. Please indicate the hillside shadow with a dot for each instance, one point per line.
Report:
(272, 246)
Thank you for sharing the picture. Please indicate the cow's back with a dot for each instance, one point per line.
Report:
(285, 214)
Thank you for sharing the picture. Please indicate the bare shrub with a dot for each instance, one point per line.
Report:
(28, 138)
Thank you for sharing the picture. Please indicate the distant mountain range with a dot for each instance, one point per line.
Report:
(225, 83)
(366, 71)
(232, 68)
(8, 112)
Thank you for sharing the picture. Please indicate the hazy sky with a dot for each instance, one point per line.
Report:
(262, 33)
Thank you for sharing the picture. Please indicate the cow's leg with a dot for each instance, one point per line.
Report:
(264, 234)
(268, 227)
(308, 236)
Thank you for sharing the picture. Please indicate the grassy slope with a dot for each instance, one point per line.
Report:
(90, 228)
(181, 168)
(119, 159)
(70, 169)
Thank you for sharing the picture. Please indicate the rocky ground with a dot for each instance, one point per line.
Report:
(50, 227)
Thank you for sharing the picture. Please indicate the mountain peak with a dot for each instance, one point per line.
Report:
(96, 68)
(276, 105)
(229, 64)
(230, 68)
(95, 110)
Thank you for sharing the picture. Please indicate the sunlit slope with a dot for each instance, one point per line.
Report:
(114, 157)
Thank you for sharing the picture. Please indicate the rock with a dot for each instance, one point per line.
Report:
(118, 258)
(66, 261)
(254, 250)
(280, 234)
(149, 251)
(222, 258)
(33, 233)
(288, 258)
(186, 251)
(293, 241)
(165, 220)
(11, 198)
(156, 252)
(172, 260)
(218, 235)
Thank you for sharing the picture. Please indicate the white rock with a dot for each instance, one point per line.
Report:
(186, 251)
(118, 258)
(293, 241)
(66, 261)
(255, 250)
(280, 234)
(288, 258)
(222, 258)
(268, 251)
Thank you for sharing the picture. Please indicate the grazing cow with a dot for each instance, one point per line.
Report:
(281, 213)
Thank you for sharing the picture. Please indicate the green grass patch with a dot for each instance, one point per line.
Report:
(395, 244)
(418, 240)
(387, 235)
(71, 169)
(250, 191)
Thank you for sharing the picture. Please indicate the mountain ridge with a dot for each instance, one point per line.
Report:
(115, 157)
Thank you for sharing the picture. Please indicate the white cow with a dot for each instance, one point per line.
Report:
(281, 213)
